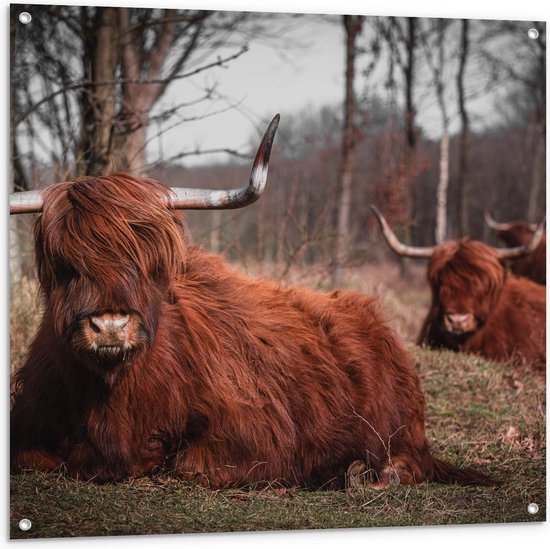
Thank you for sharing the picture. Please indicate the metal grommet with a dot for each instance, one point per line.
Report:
(25, 525)
(25, 17)
(533, 34)
(532, 508)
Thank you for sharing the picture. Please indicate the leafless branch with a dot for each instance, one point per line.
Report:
(220, 62)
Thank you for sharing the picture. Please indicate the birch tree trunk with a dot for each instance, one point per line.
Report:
(442, 191)
(463, 185)
(443, 183)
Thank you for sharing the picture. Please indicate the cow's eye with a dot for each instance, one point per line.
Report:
(66, 273)
(157, 274)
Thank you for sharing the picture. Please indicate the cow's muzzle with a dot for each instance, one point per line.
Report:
(109, 335)
(459, 323)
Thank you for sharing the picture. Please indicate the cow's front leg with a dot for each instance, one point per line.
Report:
(39, 459)
(86, 463)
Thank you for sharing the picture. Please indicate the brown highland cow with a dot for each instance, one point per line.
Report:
(154, 355)
(517, 233)
(478, 307)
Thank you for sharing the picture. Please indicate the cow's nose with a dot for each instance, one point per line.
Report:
(458, 321)
(109, 324)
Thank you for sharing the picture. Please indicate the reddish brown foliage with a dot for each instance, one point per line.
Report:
(534, 265)
(505, 314)
(233, 379)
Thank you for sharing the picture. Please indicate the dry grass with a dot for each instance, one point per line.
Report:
(25, 312)
(481, 414)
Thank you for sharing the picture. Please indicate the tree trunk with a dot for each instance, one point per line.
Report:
(462, 183)
(539, 172)
(18, 180)
(442, 188)
(410, 131)
(105, 97)
(438, 66)
(215, 232)
(410, 140)
(134, 145)
(353, 25)
(138, 98)
(133, 117)
(99, 99)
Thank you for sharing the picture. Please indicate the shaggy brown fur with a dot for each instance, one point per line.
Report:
(233, 379)
(510, 312)
(534, 265)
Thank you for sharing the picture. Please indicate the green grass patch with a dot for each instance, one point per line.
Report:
(66, 508)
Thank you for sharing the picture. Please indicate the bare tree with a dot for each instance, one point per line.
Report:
(437, 63)
(89, 77)
(352, 25)
(410, 112)
(537, 86)
(520, 68)
(400, 37)
(462, 178)
(98, 99)
(142, 70)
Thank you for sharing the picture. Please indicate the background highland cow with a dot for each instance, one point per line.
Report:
(517, 233)
(476, 306)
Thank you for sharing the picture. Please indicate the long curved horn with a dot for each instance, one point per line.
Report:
(26, 202)
(398, 247)
(496, 226)
(185, 198)
(206, 199)
(527, 248)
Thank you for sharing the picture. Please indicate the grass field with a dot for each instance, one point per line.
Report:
(481, 414)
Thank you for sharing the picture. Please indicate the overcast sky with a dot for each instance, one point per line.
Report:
(301, 66)
(304, 67)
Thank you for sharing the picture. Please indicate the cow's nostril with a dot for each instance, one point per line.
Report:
(95, 325)
(123, 321)
(108, 323)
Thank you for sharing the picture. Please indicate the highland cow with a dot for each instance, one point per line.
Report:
(154, 355)
(477, 306)
(517, 233)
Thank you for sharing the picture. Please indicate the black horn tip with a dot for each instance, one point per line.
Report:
(272, 128)
(264, 151)
(374, 209)
(377, 213)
